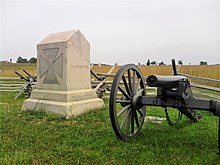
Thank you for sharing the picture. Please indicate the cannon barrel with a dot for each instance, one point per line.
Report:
(27, 73)
(30, 77)
(21, 77)
(164, 81)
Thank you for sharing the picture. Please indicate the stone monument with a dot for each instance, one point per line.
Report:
(63, 76)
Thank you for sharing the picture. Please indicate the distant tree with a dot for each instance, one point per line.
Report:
(203, 63)
(161, 63)
(148, 62)
(180, 62)
(153, 63)
(32, 60)
(139, 63)
(21, 60)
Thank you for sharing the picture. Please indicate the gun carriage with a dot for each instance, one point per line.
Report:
(128, 102)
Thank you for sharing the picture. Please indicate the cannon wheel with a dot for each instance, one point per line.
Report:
(126, 116)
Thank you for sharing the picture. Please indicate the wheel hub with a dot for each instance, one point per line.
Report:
(135, 102)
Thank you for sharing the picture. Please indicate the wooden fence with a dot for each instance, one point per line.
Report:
(208, 91)
(14, 84)
(199, 90)
(11, 84)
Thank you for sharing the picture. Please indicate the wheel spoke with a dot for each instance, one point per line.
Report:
(140, 91)
(134, 80)
(128, 122)
(136, 86)
(123, 101)
(124, 93)
(126, 86)
(129, 81)
(139, 111)
(132, 121)
(123, 110)
(136, 119)
(124, 119)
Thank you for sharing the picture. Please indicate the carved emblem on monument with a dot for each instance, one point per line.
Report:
(51, 62)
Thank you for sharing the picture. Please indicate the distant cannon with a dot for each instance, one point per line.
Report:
(128, 101)
(27, 88)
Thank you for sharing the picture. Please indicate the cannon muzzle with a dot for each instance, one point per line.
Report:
(216, 108)
(164, 81)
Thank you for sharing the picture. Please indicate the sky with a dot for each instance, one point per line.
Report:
(118, 31)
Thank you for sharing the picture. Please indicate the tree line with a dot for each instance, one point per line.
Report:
(32, 60)
(179, 62)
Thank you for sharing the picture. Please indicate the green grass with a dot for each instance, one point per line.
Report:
(42, 138)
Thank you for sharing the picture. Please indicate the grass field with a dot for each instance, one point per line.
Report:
(210, 71)
(42, 138)
(8, 69)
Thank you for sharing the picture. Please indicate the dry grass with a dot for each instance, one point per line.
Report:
(210, 71)
(8, 70)
(146, 70)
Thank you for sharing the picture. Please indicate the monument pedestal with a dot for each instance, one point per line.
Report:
(66, 103)
(63, 76)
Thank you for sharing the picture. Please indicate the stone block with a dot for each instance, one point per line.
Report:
(63, 79)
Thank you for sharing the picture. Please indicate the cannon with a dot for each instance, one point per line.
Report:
(129, 99)
(28, 86)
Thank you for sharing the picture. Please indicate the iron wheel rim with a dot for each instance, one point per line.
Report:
(131, 117)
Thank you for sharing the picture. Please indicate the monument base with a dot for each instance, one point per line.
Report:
(70, 104)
